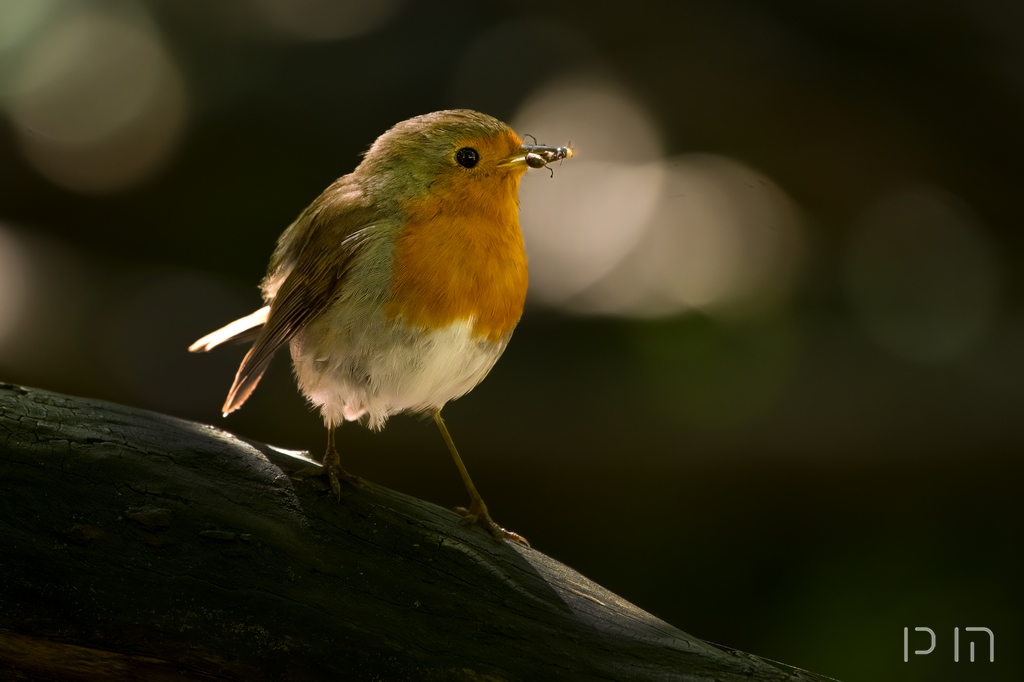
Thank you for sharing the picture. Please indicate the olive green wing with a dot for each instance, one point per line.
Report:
(327, 238)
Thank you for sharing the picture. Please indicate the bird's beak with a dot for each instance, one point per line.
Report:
(538, 156)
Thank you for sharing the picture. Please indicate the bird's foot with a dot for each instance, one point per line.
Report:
(332, 469)
(477, 514)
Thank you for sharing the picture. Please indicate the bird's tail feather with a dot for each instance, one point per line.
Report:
(244, 384)
(242, 329)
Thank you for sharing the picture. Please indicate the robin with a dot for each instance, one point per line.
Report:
(399, 287)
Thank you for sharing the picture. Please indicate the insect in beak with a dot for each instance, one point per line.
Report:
(539, 156)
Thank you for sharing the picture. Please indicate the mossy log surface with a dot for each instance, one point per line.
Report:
(134, 545)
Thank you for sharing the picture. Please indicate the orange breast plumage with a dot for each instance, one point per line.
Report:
(460, 257)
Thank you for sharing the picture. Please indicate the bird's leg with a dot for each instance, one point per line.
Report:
(331, 468)
(477, 512)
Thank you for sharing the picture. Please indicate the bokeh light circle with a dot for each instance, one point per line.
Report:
(922, 275)
(97, 100)
(580, 224)
(723, 238)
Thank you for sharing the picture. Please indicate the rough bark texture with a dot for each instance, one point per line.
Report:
(138, 546)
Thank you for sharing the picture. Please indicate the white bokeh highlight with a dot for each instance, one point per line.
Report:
(723, 238)
(621, 230)
(579, 225)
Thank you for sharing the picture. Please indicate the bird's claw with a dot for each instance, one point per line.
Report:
(480, 517)
(335, 474)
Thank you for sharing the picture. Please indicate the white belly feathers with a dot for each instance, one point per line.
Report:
(404, 369)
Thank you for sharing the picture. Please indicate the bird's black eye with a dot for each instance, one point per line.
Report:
(467, 157)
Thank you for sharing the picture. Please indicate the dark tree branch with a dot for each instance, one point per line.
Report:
(138, 546)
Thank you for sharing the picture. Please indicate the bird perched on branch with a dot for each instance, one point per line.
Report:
(398, 288)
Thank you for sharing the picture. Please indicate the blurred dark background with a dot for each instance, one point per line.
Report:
(769, 381)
